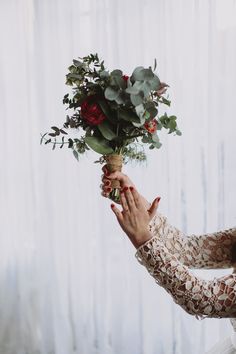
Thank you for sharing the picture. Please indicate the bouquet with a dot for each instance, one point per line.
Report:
(116, 114)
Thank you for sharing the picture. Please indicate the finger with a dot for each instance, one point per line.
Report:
(117, 212)
(152, 210)
(104, 194)
(129, 198)
(104, 169)
(124, 179)
(136, 196)
(105, 183)
(107, 190)
(123, 202)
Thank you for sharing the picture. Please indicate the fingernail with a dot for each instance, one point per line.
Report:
(107, 173)
(108, 189)
(126, 188)
(112, 205)
(107, 183)
(131, 188)
(122, 191)
(158, 199)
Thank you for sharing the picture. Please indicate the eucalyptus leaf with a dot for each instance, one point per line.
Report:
(106, 110)
(111, 93)
(76, 155)
(116, 72)
(150, 107)
(104, 74)
(155, 64)
(155, 138)
(178, 132)
(106, 130)
(144, 74)
(136, 99)
(140, 110)
(42, 138)
(154, 83)
(100, 146)
(135, 72)
(118, 81)
(78, 63)
(146, 139)
(128, 116)
(74, 76)
(146, 88)
(132, 90)
(120, 99)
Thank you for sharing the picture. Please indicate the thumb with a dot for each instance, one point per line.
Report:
(154, 206)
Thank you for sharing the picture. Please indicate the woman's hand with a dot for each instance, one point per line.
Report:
(124, 181)
(134, 218)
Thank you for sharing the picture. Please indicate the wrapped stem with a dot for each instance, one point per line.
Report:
(114, 163)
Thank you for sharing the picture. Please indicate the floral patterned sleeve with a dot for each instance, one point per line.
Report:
(212, 250)
(199, 297)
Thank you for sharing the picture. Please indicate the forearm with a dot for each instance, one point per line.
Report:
(196, 296)
(213, 250)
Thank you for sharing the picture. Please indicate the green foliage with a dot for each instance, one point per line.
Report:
(125, 105)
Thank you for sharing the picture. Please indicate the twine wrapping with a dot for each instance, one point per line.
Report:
(114, 163)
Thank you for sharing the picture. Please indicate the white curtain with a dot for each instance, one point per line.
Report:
(69, 281)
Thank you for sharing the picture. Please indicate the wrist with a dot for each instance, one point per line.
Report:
(140, 239)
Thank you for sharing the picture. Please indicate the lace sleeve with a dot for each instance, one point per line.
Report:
(212, 250)
(199, 297)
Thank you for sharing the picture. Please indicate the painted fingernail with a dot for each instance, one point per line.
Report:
(107, 183)
(122, 191)
(112, 205)
(126, 188)
(158, 199)
(108, 189)
(107, 173)
(131, 188)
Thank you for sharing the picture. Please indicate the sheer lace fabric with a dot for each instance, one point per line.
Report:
(168, 255)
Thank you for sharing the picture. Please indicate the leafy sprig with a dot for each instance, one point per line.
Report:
(128, 103)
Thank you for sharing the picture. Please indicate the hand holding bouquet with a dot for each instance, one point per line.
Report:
(116, 114)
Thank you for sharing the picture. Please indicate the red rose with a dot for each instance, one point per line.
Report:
(151, 126)
(91, 112)
(125, 77)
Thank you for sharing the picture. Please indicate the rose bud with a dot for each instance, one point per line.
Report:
(151, 126)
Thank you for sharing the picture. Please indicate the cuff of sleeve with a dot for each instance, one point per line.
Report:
(156, 224)
(144, 253)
